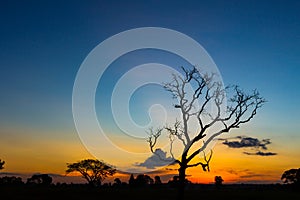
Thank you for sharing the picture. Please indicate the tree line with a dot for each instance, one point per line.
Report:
(95, 172)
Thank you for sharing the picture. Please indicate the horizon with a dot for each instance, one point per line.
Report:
(44, 46)
(165, 178)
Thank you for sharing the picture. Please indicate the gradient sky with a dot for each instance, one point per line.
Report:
(255, 44)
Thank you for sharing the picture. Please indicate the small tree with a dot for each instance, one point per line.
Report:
(218, 181)
(2, 164)
(207, 94)
(157, 180)
(291, 176)
(93, 170)
(117, 181)
(131, 180)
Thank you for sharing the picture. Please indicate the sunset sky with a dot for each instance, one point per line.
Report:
(254, 44)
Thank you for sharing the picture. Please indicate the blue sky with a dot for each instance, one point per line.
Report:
(255, 44)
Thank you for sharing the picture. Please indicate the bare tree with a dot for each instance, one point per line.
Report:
(207, 95)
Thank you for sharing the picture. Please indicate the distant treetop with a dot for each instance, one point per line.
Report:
(1, 164)
(291, 176)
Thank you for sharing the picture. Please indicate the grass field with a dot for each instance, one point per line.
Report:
(232, 192)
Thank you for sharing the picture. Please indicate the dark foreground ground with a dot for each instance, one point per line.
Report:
(74, 192)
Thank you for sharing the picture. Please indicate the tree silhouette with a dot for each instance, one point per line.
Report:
(11, 180)
(141, 180)
(157, 180)
(208, 94)
(291, 176)
(117, 181)
(2, 164)
(93, 170)
(218, 181)
(131, 180)
(40, 179)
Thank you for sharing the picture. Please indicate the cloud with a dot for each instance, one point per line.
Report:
(237, 172)
(260, 153)
(249, 142)
(158, 159)
(254, 175)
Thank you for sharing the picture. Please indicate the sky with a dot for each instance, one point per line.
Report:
(254, 44)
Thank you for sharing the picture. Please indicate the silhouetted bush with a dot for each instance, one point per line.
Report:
(157, 180)
(291, 176)
(141, 180)
(39, 179)
(11, 180)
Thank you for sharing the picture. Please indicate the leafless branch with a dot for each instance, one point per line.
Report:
(237, 116)
(152, 140)
(176, 131)
(153, 136)
(205, 166)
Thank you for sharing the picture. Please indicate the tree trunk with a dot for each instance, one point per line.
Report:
(181, 183)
